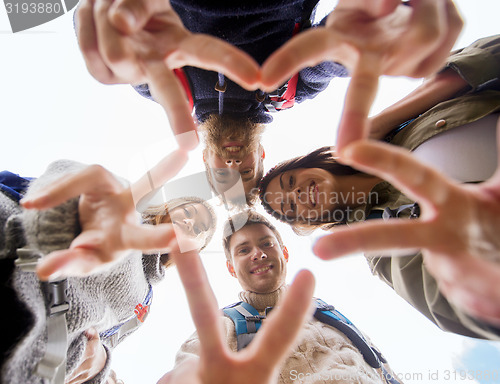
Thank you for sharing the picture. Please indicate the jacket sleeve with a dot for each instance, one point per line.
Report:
(411, 280)
(313, 80)
(479, 63)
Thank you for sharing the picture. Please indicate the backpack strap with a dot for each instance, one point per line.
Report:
(247, 322)
(182, 77)
(284, 96)
(52, 366)
(329, 315)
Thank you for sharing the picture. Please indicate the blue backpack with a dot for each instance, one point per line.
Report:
(247, 322)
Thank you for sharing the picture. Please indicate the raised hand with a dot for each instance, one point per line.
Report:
(142, 41)
(108, 218)
(371, 38)
(258, 362)
(457, 229)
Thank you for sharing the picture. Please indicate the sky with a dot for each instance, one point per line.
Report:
(51, 108)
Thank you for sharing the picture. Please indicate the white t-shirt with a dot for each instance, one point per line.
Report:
(467, 153)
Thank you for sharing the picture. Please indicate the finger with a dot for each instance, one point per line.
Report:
(307, 49)
(437, 59)
(129, 16)
(358, 101)
(210, 53)
(166, 90)
(423, 34)
(396, 165)
(93, 179)
(114, 48)
(68, 262)
(92, 334)
(477, 291)
(278, 334)
(148, 237)
(376, 235)
(143, 189)
(87, 39)
(202, 302)
(376, 9)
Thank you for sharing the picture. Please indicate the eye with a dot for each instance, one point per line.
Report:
(293, 207)
(291, 181)
(187, 213)
(243, 251)
(246, 172)
(197, 230)
(268, 244)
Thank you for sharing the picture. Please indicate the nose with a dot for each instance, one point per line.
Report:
(294, 195)
(233, 162)
(258, 255)
(188, 223)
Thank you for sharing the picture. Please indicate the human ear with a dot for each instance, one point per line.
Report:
(285, 253)
(230, 268)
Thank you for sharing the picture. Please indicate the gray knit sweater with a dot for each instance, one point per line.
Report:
(101, 300)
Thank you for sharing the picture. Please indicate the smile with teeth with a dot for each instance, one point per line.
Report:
(261, 270)
(313, 190)
(233, 148)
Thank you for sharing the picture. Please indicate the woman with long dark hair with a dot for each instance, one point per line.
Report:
(448, 123)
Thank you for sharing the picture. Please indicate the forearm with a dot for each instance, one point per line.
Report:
(438, 88)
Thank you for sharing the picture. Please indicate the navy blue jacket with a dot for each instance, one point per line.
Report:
(257, 27)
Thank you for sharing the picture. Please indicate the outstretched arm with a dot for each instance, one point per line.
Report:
(457, 229)
(371, 38)
(258, 363)
(142, 41)
(108, 219)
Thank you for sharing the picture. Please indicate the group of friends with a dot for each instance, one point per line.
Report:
(79, 266)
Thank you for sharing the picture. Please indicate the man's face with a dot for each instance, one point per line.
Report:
(258, 261)
(225, 169)
(233, 149)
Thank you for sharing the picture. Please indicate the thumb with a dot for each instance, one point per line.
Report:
(129, 16)
(68, 262)
(148, 237)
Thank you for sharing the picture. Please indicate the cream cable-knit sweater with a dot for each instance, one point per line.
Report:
(322, 354)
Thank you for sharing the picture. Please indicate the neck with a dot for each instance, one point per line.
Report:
(260, 301)
(354, 190)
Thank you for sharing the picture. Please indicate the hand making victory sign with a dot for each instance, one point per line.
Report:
(371, 38)
(142, 41)
(107, 215)
(258, 362)
(457, 229)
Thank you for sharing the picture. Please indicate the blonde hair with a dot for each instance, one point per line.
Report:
(160, 213)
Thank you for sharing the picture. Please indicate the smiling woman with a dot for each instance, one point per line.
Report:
(191, 216)
(314, 190)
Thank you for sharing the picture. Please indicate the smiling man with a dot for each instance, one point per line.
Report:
(233, 151)
(330, 348)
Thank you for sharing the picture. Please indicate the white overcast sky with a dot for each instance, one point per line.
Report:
(51, 108)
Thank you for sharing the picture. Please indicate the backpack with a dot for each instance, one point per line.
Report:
(247, 322)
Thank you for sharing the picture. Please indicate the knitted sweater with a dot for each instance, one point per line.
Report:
(322, 354)
(102, 300)
(257, 27)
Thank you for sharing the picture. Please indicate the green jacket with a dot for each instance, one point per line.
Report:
(479, 65)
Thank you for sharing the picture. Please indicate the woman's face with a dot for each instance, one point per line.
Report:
(192, 219)
(303, 194)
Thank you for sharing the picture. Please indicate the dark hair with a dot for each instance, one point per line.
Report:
(323, 158)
